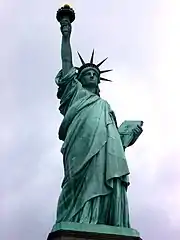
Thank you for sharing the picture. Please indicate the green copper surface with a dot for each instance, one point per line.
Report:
(94, 228)
(94, 189)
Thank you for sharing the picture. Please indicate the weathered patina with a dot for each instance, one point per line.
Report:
(94, 189)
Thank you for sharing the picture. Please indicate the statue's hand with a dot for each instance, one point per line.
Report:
(66, 28)
(137, 131)
(129, 132)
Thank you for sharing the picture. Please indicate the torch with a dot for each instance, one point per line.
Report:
(65, 12)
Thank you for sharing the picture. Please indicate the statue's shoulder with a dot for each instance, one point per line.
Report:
(70, 76)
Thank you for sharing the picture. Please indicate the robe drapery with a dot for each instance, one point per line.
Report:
(95, 168)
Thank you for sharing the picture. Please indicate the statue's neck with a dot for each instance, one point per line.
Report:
(91, 89)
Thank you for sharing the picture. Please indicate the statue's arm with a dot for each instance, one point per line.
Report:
(65, 77)
(66, 53)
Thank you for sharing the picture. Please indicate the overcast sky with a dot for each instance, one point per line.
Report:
(141, 39)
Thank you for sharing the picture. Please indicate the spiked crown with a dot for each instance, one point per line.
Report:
(93, 66)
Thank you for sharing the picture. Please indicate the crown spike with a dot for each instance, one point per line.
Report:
(99, 64)
(104, 79)
(82, 61)
(104, 71)
(92, 57)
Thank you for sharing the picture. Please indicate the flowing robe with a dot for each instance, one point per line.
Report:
(95, 168)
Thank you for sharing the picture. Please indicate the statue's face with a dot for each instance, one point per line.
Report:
(90, 78)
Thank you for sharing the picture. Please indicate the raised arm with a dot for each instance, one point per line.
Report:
(66, 53)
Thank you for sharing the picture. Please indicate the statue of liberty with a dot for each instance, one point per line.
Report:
(94, 189)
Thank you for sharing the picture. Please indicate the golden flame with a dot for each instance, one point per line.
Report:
(67, 5)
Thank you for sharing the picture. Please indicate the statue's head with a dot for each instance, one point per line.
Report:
(89, 73)
(89, 77)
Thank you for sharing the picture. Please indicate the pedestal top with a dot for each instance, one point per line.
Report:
(78, 231)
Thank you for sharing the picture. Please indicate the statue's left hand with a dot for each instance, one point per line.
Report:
(137, 131)
(130, 132)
